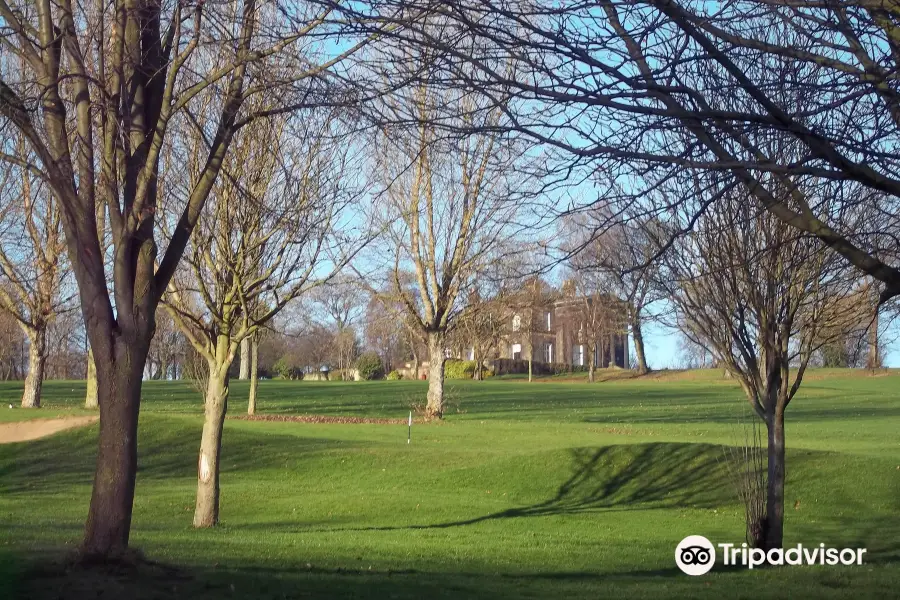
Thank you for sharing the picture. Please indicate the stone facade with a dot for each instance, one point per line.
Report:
(556, 334)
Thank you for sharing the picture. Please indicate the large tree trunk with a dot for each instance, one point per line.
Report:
(119, 376)
(245, 359)
(91, 400)
(434, 409)
(774, 530)
(254, 376)
(638, 336)
(37, 360)
(206, 512)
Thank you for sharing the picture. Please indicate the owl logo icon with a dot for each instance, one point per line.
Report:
(695, 555)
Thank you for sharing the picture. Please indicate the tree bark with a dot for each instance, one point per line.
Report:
(638, 336)
(476, 375)
(91, 399)
(245, 360)
(254, 376)
(434, 409)
(37, 360)
(112, 499)
(206, 512)
(874, 360)
(774, 533)
(591, 366)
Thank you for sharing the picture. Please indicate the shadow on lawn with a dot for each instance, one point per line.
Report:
(47, 577)
(167, 450)
(657, 475)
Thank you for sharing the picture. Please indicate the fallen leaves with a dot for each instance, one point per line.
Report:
(324, 419)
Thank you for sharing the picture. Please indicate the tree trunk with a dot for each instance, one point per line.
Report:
(873, 361)
(591, 365)
(530, 360)
(774, 531)
(245, 359)
(434, 409)
(112, 499)
(37, 360)
(476, 375)
(638, 336)
(91, 399)
(254, 376)
(206, 512)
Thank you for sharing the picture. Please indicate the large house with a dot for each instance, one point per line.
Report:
(559, 332)
(559, 329)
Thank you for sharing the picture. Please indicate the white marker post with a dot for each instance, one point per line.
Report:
(409, 428)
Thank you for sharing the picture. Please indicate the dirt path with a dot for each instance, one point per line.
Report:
(23, 431)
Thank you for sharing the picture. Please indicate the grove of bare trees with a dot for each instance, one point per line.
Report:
(233, 164)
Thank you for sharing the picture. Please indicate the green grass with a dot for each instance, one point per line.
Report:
(550, 489)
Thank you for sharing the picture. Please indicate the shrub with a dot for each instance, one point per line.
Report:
(369, 366)
(394, 376)
(285, 370)
(459, 369)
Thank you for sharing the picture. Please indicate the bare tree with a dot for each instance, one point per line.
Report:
(12, 348)
(385, 328)
(483, 324)
(448, 202)
(762, 298)
(341, 301)
(270, 232)
(32, 253)
(118, 75)
(615, 257)
(639, 90)
(164, 348)
(600, 318)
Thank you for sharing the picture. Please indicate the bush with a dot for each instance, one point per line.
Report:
(459, 369)
(285, 370)
(369, 366)
(394, 376)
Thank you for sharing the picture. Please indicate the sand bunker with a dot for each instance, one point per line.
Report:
(23, 431)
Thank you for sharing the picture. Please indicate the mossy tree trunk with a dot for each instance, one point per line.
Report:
(37, 360)
(206, 511)
(254, 376)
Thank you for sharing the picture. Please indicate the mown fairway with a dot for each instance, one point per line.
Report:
(550, 489)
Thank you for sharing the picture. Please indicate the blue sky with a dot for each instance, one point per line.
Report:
(661, 346)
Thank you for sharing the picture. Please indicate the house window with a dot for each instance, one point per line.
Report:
(548, 320)
(517, 323)
(578, 355)
(516, 351)
(548, 352)
(471, 354)
(448, 353)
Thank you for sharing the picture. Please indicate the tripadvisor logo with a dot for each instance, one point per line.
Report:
(696, 555)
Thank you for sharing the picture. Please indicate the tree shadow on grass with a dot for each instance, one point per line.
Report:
(45, 575)
(167, 449)
(656, 475)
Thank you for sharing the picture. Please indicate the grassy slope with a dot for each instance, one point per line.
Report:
(527, 490)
